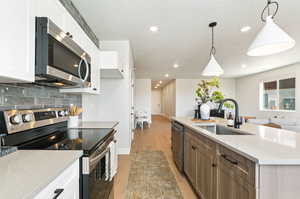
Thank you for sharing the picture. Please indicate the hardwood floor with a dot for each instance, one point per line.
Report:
(158, 137)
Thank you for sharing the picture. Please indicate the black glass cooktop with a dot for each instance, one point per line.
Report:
(70, 139)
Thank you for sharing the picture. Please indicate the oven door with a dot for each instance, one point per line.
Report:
(97, 183)
(59, 60)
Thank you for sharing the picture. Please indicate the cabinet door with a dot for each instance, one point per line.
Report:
(205, 172)
(243, 189)
(54, 10)
(70, 189)
(190, 159)
(225, 180)
(17, 40)
(230, 184)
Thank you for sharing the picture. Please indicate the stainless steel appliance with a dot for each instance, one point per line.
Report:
(177, 139)
(46, 129)
(60, 61)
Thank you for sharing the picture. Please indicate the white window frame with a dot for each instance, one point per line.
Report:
(277, 79)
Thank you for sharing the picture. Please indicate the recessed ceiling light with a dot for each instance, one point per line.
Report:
(153, 29)
(160, 82)
(175, 65)
(244, 66)
(166, 75)
(245, 29)
(155, 87)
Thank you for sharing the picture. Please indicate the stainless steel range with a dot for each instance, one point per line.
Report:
(46, 129)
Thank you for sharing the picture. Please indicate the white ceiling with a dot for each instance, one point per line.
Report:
(184, 36)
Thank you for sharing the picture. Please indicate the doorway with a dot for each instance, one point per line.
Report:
(156, 102)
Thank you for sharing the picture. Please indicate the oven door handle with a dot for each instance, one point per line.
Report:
(96, 159)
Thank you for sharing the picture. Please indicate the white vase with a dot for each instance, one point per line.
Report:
(205, 111)
(73, 122)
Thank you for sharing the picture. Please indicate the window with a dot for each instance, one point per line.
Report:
(278, 95)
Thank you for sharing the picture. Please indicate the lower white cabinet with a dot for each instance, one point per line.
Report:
(65, 186)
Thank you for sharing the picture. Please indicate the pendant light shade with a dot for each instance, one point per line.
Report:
(213, 68)
(271, 39)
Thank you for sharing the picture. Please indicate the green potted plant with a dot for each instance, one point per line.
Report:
(208, 91)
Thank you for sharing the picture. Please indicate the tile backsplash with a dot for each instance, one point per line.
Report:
(27, 96)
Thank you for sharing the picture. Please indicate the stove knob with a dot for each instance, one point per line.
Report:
(27, 118)
(61, 113)
(16, 119)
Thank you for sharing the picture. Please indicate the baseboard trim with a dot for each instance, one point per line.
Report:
(123, 151)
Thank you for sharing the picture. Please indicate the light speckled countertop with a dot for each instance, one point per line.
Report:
(265, 145)
(24, 174)
(97, 125)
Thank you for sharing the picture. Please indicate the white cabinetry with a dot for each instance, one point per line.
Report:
(67, 183)
(17, 39)
(54, 10)
(111, 68)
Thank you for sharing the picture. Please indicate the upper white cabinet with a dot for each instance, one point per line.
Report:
(17, 39)
(111, 68)
(54, 10)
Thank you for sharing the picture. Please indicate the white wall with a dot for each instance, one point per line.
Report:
(185, 94)
(247, 92)
(114, 102)
(156, 102)
(143, 95)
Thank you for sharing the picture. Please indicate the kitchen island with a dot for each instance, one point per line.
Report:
(258, 162)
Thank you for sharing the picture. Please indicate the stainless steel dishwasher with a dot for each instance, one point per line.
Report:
(177, 139)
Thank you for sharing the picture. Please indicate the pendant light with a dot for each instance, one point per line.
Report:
(271, 39)
(213, 68)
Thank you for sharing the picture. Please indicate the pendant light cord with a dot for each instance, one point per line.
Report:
(267, 8)
(213, 49)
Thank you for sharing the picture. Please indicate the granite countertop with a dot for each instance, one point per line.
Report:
(24, 174)
(264, 145)
(97, 125)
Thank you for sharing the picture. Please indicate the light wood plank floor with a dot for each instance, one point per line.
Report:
(158, 137)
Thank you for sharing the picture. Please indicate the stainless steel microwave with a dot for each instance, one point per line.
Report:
(60, 61)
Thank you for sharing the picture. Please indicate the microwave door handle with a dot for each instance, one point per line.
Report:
(87, 69)
(83, 60)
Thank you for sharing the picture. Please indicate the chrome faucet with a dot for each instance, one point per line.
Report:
(237, 121)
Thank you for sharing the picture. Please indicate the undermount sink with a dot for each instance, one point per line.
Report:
(222, 130)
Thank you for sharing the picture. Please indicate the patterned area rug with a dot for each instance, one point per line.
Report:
(150, 177)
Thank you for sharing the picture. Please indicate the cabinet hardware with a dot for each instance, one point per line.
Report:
(94, 89)
(69, 35)
(194, 148)
(214, 165)
(229, 159)
(57, 193)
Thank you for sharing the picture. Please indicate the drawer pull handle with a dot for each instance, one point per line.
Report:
(57, 193)
(232, 161)
(194, 148)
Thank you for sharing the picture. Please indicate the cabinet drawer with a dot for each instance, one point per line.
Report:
(68, 180)
(202, 140)
(243, 167)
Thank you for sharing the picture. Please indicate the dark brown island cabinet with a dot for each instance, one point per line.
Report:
(216, 172)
